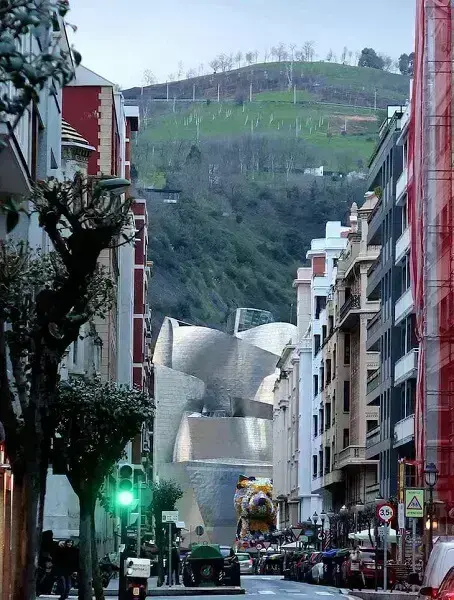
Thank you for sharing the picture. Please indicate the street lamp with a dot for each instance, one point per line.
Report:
(431, 477)
(359, 507)
(323, 516)
(343, 511)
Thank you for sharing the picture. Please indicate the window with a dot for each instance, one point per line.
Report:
(327, 415)
(315, 385)
(320, 463)
(322, 378)
(347, 349)
(330, 324)
(324, 334)
(346, 396)
(328, 371)
(76, 351)
(321, 416)
(314, 466)
(327, 459)
(346, 439)
(320, 304)
(334, 361)
(315, 419)
(371, 424)
(316, 343)
(334, 408)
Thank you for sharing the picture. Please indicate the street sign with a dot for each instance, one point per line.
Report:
(259, 546)
(385, 512)
(170, 516)
(266, 545)
(320, 535)
(414, 503)
(199, 530)
(297, 531)
(309, 533)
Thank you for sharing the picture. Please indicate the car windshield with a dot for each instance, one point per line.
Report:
(225, 551)
(448, 582)
(243, 557)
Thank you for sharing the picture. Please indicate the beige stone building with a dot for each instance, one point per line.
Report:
(347, 476)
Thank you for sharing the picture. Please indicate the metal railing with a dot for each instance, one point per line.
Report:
(354, 301)
(373, 382)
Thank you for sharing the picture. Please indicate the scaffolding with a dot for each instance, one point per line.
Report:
(430, 200)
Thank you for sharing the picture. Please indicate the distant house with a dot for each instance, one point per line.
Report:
(164, 195)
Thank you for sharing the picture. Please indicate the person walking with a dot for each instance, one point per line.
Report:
(175, 565)
(355, 571)
(66, 563)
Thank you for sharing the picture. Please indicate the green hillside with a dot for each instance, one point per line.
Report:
(247, 211)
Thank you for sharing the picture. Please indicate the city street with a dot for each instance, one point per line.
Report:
(271, 585)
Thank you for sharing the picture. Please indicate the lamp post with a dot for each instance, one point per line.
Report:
(378, 500)
(358, 509)
(431, 477)
(315, 521)
(343, 511)
(322, 520)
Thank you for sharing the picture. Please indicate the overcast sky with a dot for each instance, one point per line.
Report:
(119, 39)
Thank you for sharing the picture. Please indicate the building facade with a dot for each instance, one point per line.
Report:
(391, 331)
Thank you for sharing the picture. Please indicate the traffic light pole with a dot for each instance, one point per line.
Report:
(123, 542)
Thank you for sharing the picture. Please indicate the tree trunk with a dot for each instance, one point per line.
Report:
(26, 501)
(85, 560)
(97, 581)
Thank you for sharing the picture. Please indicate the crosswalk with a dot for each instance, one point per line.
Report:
(286, 591)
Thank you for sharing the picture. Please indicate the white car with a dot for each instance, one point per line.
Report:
(246, 563)
(441, 559)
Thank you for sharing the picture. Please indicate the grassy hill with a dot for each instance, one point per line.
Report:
(247, 211)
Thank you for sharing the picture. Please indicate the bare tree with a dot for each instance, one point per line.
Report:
(249, 58)
(171, 77)
(191, 73)
(350, 56)
(238, 58)
(387, 62)
(266, 55)
(308, 50)
(281, 52)
(329, 56)
(180, 69)
(299, 55)
(344, 55)
(292, 51)
(256, 56)
(215, 65)
(201, 69)
(148, 77)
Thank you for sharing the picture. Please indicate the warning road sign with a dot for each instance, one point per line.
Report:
(414, 503)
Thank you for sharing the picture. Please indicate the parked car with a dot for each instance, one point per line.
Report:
(246, 563)
(446, 589)
(440, 561)
(369, 562)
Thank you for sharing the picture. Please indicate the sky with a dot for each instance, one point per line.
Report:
(120, 39)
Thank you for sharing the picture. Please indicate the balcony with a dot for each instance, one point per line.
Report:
(374, 331)
(401, 187)
(402, 245)
(372, 492)
(404, 306)
(351, 456)
(373, 387)
(406, 367)
(374, 277)
(373, 437)
(375, 220)
(404, 431)
(353, 303)
(372, 361)
(333, 477)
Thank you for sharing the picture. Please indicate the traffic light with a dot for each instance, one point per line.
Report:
(125, 488)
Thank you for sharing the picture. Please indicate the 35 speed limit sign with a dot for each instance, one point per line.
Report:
(385, 512)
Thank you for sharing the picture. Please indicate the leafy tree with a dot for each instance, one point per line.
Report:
(165, 494)
(369, 58)
(95, 421)
(25, 72)
(406, 64)
(44, 300)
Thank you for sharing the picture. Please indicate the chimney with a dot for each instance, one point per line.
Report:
(303, 300)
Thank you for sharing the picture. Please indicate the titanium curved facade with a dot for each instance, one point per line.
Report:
(214, 416)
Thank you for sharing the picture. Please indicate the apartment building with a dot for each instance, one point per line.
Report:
(323, 255)
(391, 332)
(341, 419)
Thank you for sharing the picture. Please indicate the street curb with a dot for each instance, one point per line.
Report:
(379, 595)
(162, 591)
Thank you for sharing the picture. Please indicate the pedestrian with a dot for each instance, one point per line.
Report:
(355, 571)
(66, 563)
(175, 567)
(45, 575)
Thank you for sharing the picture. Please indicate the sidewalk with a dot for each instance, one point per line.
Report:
(378, 595)
(178, 590)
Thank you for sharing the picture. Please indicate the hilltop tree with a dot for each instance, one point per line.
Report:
(94, 422)
(405, 63)
(344, 55)
(329, 56)
(238, 58)
(44, 300)
(309, 51)
(388, 62)
(148, 77)
(249, 56)
(214, 64)
(369, 58)
(279, 52)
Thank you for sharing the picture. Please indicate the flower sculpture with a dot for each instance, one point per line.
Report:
(255, 509)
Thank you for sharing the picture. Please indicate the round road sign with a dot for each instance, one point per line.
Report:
(385, 512)
(259, 546)
(199, 530)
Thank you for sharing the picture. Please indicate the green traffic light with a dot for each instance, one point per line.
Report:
(125, 498)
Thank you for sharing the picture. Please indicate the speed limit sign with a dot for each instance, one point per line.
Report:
(385, 512)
